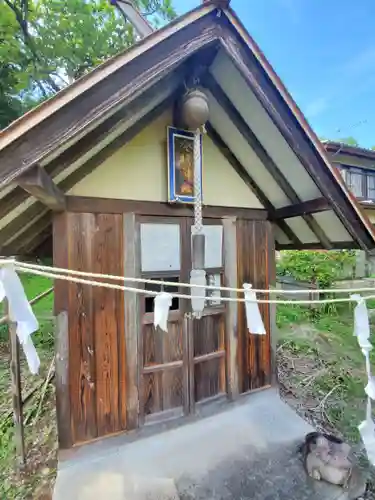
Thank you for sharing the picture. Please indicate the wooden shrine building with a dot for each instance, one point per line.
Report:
(103, 172)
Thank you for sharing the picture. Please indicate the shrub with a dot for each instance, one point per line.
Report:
(320, 268)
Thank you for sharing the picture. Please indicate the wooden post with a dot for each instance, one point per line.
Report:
(230, 273)
(15, 375)
(274, 332)
(62, 380)
(133, 323)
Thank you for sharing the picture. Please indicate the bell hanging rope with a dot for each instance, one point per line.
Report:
(195, 113)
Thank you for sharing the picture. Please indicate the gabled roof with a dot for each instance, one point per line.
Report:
(341, 148)
(253, 121)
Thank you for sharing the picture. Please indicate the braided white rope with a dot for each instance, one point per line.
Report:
(198, 222)
(274, 291)
(362, 332)
(55, 275)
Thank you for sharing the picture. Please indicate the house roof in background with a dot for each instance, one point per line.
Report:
(339, 147)
(254, 121)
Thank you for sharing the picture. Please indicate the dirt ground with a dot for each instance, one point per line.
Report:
(36, 480)
(321, 374)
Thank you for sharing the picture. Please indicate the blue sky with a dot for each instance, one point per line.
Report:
(324, 51)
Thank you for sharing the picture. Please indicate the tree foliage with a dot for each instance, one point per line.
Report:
(349, 141)
(320, 268)
(47, 44)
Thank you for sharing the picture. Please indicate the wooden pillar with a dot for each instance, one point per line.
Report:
(15, 376)
(62, 380)
(132, 268)
(230, 273)
(274, 333)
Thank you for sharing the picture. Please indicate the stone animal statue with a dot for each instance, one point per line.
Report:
(328, 458)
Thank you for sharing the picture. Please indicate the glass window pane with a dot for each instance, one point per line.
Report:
(342, 172)
(354, 181)
(371, 186)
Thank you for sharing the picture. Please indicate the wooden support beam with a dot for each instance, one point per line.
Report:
(27, 237)
(290, 122)
(300, 209)
(62, 380)
(249, 181)
(40, 236)
(15, 377)
(39, 184)
(38, 210)
(343, 245)
(20, 223)
(133, 326)
(125, 83)
(230, 274)
(82, 147)
(237, 119)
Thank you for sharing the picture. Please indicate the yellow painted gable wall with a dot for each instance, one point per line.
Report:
(138, 171)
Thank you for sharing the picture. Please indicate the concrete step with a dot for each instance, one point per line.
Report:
(246, 452)
(275, 475)
(117, 486)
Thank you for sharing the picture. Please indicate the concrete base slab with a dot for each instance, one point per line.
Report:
(246, 452)
(116, 486)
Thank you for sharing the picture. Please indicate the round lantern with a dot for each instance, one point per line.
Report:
(195, 109)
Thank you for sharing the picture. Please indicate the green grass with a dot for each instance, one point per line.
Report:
(325, 367)
(322, 366)
(40, 432)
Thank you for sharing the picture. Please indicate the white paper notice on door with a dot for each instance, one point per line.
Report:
(160, 247)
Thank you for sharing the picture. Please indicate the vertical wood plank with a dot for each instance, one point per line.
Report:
(185, 306)
(132, 310)
(273, 332)
(185, 368)
(15, 380)
(120, 315)
(106, 259)
(261, 281)
(61, 307)
(230, 277)
(60, 259)
(191, 369)
(241, 323)
(253, 261)
(62, 380)
(252, 274)
(82, 375)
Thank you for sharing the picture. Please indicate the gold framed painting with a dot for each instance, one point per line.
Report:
(181, 165)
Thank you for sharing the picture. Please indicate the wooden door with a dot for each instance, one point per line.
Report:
(163, 377)
(207, 354)
(185, 365)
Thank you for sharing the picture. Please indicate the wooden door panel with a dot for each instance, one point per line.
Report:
(209, 356)
(209, 334)
(209, 379)
(163, 365)
(97, 361)
(254, 261)
(162, 374)
(163, 391)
